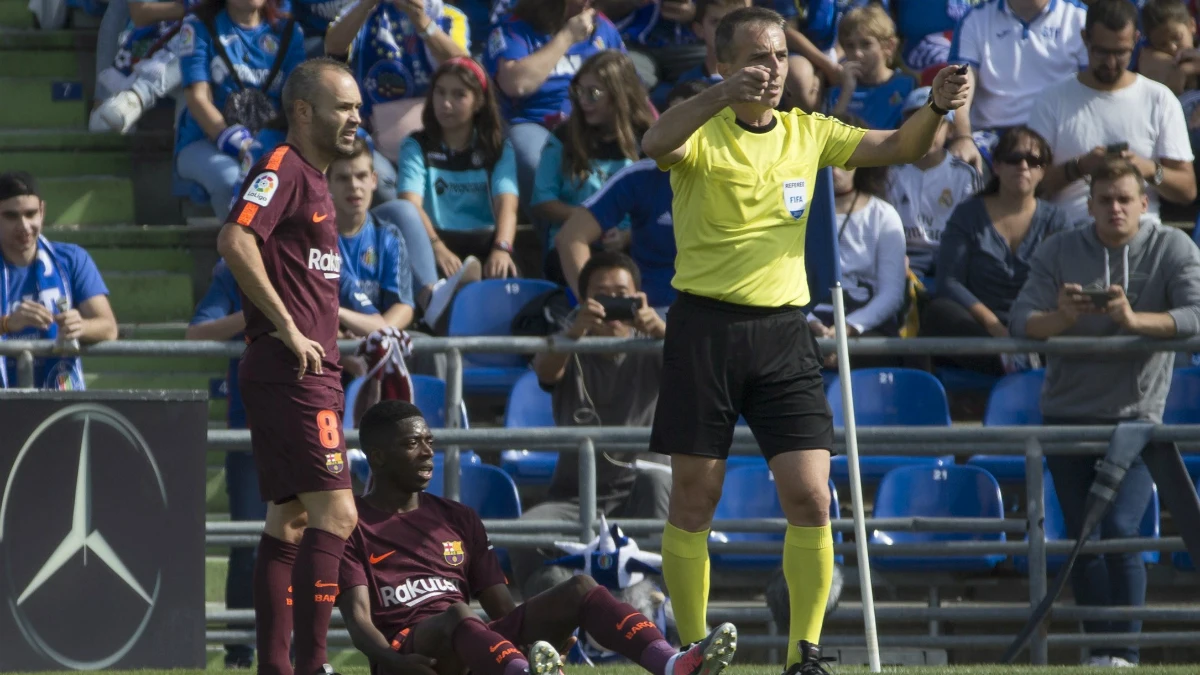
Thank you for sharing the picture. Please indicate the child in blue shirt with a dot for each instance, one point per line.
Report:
(870, 88)
(207, 146)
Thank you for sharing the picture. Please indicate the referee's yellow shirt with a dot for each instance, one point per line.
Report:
(741, 205)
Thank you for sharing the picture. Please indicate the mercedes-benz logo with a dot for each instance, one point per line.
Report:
(30, 574)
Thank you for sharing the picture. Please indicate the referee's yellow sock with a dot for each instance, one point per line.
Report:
(808, 570)
(685, 570)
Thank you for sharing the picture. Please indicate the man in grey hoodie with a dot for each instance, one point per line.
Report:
(1126, 274)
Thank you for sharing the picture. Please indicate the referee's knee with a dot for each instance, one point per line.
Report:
(693, 503)
(806, 505)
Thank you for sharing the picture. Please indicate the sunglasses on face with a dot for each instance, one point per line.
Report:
(1015, 158)
(590, 94)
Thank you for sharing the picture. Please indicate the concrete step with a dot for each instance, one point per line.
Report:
(174, 381)
(44, 164)
(212, 366)
(135, 236)
(57, 63)
(71, 140)
(83, 41)
(88, 200)
(152, 331)
(142, 260)
(15, 14)
(44, 103)
(150, 296)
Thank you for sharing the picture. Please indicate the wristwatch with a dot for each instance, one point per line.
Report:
(1158, 174)
(936, 108)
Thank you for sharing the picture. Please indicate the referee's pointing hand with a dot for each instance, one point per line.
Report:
(752, 84)
(951, 88)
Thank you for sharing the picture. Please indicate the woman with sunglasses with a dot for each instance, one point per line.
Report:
(602, 136)
(987, 246)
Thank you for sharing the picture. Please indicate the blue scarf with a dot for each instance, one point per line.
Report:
(52, 372)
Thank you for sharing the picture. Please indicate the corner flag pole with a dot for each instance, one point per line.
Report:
(860, 525)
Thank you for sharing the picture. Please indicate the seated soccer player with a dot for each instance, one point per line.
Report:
(414, 562)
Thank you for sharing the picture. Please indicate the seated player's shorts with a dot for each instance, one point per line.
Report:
(296, 436)
(507, 627)
(722, 360)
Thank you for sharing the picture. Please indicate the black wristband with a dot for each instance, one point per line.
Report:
(936, 108)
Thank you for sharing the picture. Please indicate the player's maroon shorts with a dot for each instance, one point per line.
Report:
(508, 627)
(296, 436)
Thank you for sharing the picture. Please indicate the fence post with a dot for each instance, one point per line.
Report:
(454, 376)
(25, 370)
(1035, 508)
(587, 490)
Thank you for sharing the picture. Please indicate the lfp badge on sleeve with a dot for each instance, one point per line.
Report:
(795, 196)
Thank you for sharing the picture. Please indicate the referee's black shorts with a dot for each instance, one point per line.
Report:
(721, 360)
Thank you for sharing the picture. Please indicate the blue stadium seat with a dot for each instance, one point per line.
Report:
(889, 397)
(1014, 401)
(961, 379)
(488, 308)
(1182, 559)
(945, 492)
(529, 406)
(749, 492)
(1056, 528)
(1183, 399)
(430, 396)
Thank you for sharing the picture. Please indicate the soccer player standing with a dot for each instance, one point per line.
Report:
(737, 342)
(282, 248)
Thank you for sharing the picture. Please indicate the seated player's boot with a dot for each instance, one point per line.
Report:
(811, 662)
(544, 659)
(326, 670)
(709, 656)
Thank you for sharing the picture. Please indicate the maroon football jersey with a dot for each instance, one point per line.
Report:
(417, 564)
(286, 202)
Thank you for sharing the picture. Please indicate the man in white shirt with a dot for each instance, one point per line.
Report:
(1015, 49)
(926, 192)
(1108, 110)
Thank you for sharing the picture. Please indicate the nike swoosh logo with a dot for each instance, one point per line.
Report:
(622, 623)
(376, 559)
(317, 219)
(498, 645)
(323, 585)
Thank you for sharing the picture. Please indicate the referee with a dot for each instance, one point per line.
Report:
(737, 342)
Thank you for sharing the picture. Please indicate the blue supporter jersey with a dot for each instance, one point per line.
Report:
(314, 16)
(252, 51)
(456, 189)
(223, 299)
(478, 14)
(376, 256)
(663, 90)
(500, 11)
(69, 269)
(878, 105)
(917, 18)
(391, 61)
(645, 26)
(551, 103)
(551, 183)
(136, 43)
(823, 16)
(641, 194)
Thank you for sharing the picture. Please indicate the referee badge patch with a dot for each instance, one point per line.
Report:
(795, 196)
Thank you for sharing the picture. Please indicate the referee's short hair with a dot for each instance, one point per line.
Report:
(304, 82)
(727, 29)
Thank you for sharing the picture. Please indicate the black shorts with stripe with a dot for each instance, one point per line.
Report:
(722, 360)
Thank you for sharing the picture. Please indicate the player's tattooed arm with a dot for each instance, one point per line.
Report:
(497, 601)
(355, 605)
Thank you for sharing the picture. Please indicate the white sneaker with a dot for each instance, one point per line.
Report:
(445, 289)
(544, 659)
(118, 114)
(1118, 662)
(1099, 662)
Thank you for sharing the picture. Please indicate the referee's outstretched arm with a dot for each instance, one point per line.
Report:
(913, 139)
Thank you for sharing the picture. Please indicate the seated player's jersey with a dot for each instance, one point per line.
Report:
(285, 201)
(417, 564)
(391, 61)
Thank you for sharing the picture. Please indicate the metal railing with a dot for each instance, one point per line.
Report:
(1032, 442)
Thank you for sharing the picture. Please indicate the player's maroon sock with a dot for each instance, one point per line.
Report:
(314, 584)
(486, 652)
(273, 605)
(618, 626)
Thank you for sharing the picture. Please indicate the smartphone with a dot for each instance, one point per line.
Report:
(1100, 297)
(1116, 148)
(619, 308)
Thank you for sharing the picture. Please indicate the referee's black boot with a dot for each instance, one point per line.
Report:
(811, 662)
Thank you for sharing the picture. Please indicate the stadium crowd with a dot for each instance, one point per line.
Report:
(478, 117)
